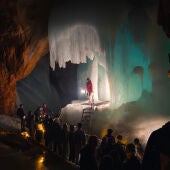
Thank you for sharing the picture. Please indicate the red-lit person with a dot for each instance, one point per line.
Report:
(89, 90)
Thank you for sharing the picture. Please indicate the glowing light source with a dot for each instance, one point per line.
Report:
(83, 91)
(41, 159)
(40, 163)
(40, 127)
(25, 134)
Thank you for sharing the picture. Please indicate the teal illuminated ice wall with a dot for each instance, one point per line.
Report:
(128, 65)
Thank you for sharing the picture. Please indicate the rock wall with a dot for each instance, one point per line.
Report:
(164, 16)
(43, 85)
(23, 40)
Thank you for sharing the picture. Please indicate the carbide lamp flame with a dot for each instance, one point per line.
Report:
(41, 127)
(25, 134)
(82, 91)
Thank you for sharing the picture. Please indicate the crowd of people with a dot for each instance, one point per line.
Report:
(91, 153)
(71, 142)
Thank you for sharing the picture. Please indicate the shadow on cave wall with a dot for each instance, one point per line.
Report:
(55, 88)
(64, 81)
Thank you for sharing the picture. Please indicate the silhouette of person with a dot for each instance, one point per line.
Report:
(80, 140)
(132, 162)
(22, 116)
(157, 151)
(88, 155)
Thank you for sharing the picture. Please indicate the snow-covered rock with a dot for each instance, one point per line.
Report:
(9, 123)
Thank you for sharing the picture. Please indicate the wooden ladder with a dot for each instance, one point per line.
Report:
(86, 119)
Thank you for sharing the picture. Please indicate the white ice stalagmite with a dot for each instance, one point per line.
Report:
(73, 43)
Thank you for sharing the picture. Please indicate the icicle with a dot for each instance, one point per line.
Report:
(74, 43)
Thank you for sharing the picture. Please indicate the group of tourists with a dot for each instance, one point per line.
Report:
(86, 151)
(91, 153)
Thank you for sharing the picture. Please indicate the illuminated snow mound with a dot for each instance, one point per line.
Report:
(73, 112)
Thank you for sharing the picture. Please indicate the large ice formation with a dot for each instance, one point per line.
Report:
(74, 43)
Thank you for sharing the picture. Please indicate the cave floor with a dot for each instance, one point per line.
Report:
(19, 154)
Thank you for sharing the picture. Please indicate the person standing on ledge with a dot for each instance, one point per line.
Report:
(22, 116)
(89, 90)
